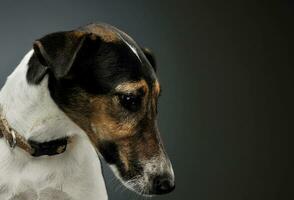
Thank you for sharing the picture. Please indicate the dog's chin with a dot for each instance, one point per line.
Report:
(136, 184)
(139, 188)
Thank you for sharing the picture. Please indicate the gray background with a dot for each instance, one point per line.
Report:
(226, 113)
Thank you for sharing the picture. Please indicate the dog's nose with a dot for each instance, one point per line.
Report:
(162, 185)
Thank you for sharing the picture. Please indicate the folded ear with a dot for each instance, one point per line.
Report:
(150, 56)
(56, 52)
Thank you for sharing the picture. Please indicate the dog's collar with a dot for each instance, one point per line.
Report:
(36, 149)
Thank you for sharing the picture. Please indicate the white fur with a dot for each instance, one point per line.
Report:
(30, 110)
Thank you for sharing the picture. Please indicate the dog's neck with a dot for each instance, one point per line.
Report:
(30, 110)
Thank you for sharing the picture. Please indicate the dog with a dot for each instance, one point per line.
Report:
(77, 94)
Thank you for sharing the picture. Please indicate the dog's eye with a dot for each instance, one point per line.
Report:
(130, 102)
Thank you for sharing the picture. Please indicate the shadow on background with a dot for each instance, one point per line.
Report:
(226, 114)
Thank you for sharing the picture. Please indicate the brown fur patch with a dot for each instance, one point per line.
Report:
(107, 126)
(146, 144)
(137, 149)
(143, 146)
(77, 34)
(105, 120)
(106, 109)
(124, 154)
(103, 32)
(104, 117)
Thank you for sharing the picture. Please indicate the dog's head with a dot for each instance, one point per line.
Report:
(108, 86)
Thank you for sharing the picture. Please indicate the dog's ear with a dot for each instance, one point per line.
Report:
(150, 56)
(56, 52)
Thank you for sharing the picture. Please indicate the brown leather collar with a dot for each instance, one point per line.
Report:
(34, 148)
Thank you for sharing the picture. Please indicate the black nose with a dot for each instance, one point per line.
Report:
(162, 185)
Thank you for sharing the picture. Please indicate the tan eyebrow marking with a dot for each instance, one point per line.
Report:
(128, 87)
(157, 87)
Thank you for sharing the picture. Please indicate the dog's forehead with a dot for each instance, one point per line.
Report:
(112, 35)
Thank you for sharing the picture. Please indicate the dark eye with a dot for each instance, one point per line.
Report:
(130, 102)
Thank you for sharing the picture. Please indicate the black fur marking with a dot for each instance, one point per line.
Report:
(36, 70)
(98, 65)
(55, 52)
(109, 151)
(151, 58)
